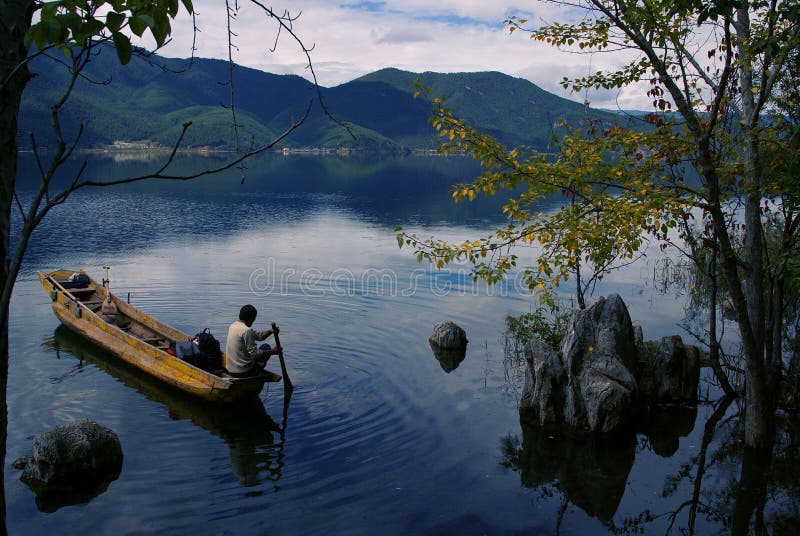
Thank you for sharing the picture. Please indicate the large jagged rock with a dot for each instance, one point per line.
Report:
(542, 395)
(672, 373)
(605, 373)
(71, 464)
(599, 352)
(606, 328)
(589, 386)
(608, 396)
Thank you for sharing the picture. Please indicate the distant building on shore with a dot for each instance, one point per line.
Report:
(138, 144)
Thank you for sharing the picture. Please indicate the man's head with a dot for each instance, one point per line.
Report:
(247, 314)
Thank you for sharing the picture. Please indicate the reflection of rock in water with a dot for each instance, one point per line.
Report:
(448, 359)
(71, 464)
(449, 344)
(246, 428)
(591, 472)
(665, 427)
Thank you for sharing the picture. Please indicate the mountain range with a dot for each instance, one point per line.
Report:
(150, 99)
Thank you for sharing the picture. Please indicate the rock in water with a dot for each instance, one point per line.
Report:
(71, 464)
(599, 354)
(676, 372)
(449, 336)
(543, 392)
(589, 386)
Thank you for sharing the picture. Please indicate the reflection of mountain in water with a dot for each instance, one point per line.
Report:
(248, 430)
(409, 191)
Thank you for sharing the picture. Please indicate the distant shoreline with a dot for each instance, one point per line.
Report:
(208, 151)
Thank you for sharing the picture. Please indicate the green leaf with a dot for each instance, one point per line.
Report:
(139, 23)
(161, 28)
(49, 10)
(188, 5)
(114, 20)
(51, 32)
(90, 28)
(123, 46)
(30, 36)
(70, 20)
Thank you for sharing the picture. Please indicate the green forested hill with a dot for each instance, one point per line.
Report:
(151, 99)
(514, 110)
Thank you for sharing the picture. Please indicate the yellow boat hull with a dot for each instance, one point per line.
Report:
(141, 341)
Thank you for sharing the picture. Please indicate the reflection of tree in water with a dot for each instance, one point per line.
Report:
(254, 439)
(732, 489)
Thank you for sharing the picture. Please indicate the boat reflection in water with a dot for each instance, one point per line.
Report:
(254, 439)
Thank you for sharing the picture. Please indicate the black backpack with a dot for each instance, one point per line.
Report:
(209, 347)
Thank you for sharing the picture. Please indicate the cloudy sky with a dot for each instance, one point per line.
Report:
(351, 38)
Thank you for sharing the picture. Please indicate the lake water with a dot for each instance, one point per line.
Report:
(378, 437)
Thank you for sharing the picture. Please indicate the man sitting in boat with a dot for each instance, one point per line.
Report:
(244, 358)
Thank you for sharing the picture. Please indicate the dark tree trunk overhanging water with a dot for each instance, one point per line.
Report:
(13, 78)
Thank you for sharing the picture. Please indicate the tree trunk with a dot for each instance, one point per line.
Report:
(760, 402)
(751, 495)
(13, 78)
(713, 343)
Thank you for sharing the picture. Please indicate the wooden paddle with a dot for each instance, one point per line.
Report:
(287, 383)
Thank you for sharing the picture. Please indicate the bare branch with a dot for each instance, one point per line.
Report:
(285, 22)
(160, 175)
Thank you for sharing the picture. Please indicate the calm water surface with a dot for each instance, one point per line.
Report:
(377, 436)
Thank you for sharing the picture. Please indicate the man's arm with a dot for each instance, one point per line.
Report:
(261, 335)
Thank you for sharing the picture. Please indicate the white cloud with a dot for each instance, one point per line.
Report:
(401, 34)
(353, 38)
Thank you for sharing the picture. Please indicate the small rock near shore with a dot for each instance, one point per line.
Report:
(78, 459)
(448, 335)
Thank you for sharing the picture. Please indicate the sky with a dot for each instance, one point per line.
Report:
(351, 38)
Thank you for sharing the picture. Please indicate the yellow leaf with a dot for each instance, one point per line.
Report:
(754, 90)
(439, 264)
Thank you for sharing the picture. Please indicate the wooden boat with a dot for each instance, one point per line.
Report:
(141, 340)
